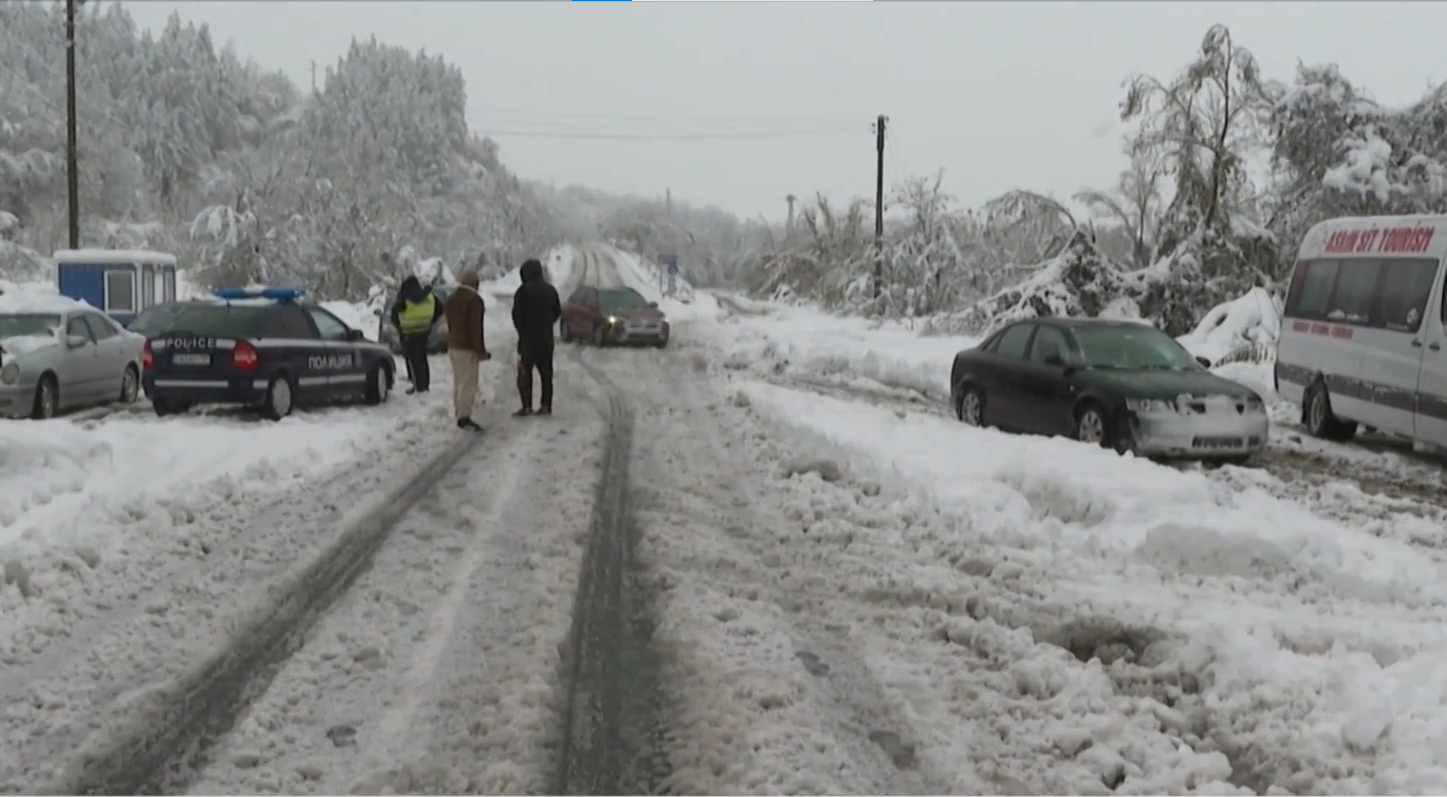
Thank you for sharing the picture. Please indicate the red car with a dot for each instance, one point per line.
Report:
(603, 316)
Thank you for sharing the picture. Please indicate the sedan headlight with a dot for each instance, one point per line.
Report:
(10, 374)
(1148, 406)
(612, 319)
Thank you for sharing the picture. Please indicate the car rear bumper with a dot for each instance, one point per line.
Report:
(236, 390)
(1200, 437)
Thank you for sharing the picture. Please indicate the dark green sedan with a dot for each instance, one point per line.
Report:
(1118, 384)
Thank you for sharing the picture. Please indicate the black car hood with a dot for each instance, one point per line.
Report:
(1166, 385)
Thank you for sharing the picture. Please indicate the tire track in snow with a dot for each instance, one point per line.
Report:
(438, 672)
(174, 733)
(615, 709)
(856, 730)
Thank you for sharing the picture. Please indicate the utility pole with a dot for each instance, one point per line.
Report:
(789, 224)
(314, 78)
(879, 204)
(72, 157)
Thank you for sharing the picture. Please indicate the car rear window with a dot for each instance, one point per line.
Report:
(154, 320)
(221, 321)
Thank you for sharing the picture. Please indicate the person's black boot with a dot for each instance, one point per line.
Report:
(545, 411)
(412, 390)
(523, 413)
(468, 424)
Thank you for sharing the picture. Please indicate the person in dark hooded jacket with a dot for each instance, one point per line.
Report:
(535, 310)
(413, 314)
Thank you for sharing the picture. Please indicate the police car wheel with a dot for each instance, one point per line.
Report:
(279, 398)
(378, 384)
(130, 385)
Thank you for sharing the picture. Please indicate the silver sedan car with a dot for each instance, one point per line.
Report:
(54, 360)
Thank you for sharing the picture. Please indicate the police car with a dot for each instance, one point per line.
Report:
(261, 347)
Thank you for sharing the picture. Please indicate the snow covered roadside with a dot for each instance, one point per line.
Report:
(807, 343)
(1244, 638)
(560, 262)
(438, 671)
(154, 545)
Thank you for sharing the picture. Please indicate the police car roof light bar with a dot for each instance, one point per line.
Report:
(260, 292)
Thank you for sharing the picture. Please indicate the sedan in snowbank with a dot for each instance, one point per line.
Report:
(58, 359)
(1116, 384)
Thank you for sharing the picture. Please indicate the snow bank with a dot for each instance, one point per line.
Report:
(1308, 653)
(357, 315)
(805, 342)
(1248, 322)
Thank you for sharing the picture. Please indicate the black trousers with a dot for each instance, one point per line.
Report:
(414, 351)
(541, 358)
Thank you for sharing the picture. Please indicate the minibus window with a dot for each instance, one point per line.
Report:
(1356, 284)
(1405, 289)
(1312, 291)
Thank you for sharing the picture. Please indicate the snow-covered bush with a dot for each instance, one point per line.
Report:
(1080, 281)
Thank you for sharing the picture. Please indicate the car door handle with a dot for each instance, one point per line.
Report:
(1416, 344)
(1434, 346)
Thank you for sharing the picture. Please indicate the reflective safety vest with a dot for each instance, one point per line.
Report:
(416, 317)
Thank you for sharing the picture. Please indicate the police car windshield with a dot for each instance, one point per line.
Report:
(220, 321)
(18, 325)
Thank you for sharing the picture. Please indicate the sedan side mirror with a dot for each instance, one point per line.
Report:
(1055, 360)
(654, 305)
(1205, 363)
(354, 335)
(76, 341)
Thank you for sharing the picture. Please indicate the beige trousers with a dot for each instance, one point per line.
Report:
(464, 381)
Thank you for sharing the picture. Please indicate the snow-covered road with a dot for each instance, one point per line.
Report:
(439, 671)
(143, 545)
(764, 560)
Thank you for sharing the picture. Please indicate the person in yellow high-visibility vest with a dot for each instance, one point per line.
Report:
(413, 314)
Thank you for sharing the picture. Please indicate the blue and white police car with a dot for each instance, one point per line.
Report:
(263, 347)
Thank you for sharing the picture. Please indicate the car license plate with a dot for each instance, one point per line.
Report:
(191, 359)
(1216, 443)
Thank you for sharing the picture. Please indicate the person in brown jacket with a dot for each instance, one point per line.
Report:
(465, 349)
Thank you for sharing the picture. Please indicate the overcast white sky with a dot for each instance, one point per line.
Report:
(999, 95)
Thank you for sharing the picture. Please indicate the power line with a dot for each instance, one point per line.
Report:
(668, 136)
(504, 112)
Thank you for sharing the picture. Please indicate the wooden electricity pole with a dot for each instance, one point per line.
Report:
(879, 204)
(72, 158)
(789, 223)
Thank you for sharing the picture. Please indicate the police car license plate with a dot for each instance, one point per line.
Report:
(1218, 443)
(191, 359)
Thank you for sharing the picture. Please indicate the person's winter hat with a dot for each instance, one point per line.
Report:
(469, 278)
